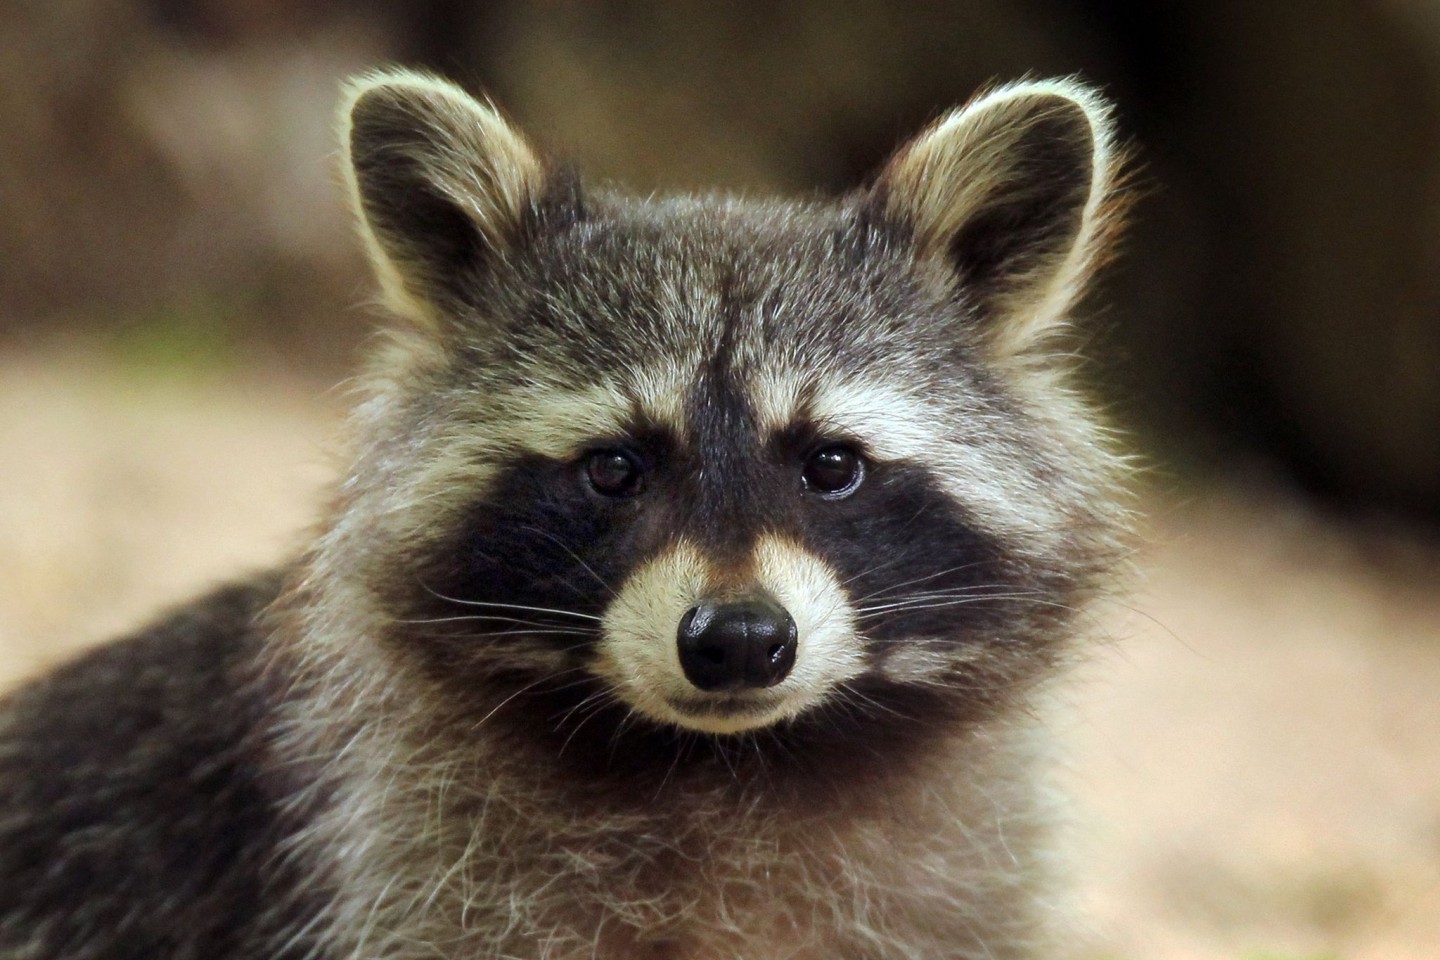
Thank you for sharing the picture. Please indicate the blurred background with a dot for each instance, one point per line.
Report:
(1258, 752)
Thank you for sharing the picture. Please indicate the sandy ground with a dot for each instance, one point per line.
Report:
(1256, 750)
(1259, 751)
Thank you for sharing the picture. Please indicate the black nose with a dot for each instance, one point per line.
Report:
(735, 646)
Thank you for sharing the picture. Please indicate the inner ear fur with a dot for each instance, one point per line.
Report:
(441, 185)
(1010, 197)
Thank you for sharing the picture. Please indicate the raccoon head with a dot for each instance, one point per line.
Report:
(724, 465)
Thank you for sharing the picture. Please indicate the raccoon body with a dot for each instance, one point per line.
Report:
(688, 595)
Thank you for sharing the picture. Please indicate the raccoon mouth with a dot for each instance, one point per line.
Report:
(728, 706)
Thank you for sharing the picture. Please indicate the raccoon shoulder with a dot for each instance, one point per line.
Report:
(135, 820)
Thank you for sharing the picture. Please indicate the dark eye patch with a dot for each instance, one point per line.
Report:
(910, 556)
(528, 543)
(556, 536)
(911, 559)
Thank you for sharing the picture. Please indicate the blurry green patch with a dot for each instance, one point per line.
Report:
(183, 340)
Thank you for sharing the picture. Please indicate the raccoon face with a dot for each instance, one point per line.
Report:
(726, 465)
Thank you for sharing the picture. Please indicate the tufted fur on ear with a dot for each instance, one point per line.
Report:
(441, 183)
(1010, 196)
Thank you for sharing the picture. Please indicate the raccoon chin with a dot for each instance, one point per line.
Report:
(695, 711)
(730, 713)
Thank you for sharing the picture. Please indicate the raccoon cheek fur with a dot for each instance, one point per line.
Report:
(690, 592)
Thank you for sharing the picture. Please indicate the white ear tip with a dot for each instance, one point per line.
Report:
(1068, 90)
(399, 79)
(422, 153)
(1036, 153)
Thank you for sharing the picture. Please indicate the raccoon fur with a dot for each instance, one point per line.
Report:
(689, 595)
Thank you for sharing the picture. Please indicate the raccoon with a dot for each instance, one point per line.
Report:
(690, 594)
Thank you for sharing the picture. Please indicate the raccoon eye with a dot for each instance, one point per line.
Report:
(835, 471)
(613, 473)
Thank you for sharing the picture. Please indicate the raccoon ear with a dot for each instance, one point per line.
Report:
(441, 184)
(1008, 194)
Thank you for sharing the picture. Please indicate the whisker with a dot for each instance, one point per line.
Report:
(877, 568)
(591, 706)
(488, 618)
(979, 590)
(497, 708)
(891, 588)
(962, 603)
(575, 556)
(510, 606)
(1151, 618)
(514, 632)
(850, 693)
(958, 600)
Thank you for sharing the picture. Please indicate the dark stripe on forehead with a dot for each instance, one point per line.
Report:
(730, 482)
